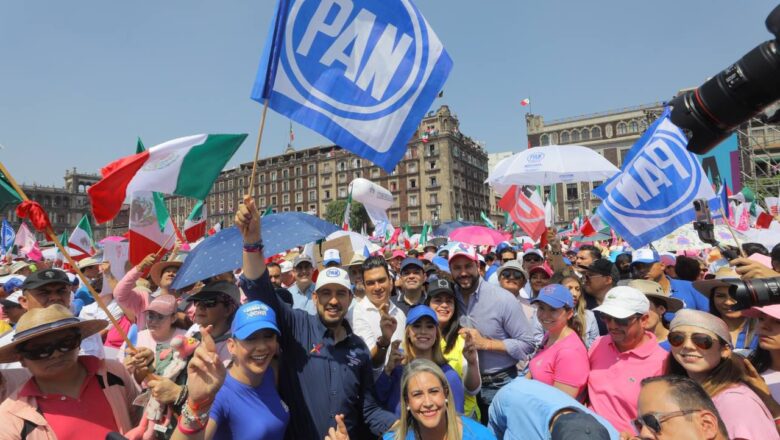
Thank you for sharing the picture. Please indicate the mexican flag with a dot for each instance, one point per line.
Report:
(9, 198)
(81, 237)
(150, 225)
(186, 166)
(195, 224)
(424, 234)
(347, 212)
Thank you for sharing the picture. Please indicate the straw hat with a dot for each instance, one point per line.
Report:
(42, 321)
(707, 286)
(157, 269)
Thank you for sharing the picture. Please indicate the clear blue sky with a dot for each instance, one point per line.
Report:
(79, 80)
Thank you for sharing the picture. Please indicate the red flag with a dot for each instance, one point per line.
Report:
(525, 207)
(396, 233)
(764, 220)
(587, 228)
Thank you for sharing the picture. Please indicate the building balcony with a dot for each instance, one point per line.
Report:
(432, 170)
(433, 187)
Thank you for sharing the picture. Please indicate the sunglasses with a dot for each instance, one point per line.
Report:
(42, 352)
(154, 316)
(512, 275)
(653, 421)
(621, 322)
(700, 340)
(588, 276)
(534, 259)
(208, 303)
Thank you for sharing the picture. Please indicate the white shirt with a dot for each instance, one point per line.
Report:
(365, 322)
(772, 379)
(92, 311)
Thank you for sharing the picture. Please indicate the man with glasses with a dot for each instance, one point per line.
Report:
(215, 305)
(303, 287)
(598, 279)
(622, 358)
(512, 277)
(411, 292)
(676, 407)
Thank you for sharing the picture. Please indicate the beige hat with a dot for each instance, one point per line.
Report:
(17, 266)
(512, 265)
(87, 262)
(703, 320)
(42, 321)
(357, 260)
(158, 268)
(707, 286)
(651, 289)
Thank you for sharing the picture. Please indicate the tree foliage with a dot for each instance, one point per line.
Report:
(334, 213)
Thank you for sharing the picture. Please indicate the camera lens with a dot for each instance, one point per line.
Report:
(755, 293)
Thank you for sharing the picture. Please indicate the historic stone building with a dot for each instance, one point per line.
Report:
(610, 133)
(440, 178)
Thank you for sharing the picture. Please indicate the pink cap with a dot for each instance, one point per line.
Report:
(398, 253)
(541, 268)
(163, 304)
(527, 246)
(463, 250)
(755, 312)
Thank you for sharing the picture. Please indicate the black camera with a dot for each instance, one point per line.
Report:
(711, 112)
(754, 293)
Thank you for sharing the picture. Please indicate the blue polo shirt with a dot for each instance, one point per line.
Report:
(319, 378)
(684, 291)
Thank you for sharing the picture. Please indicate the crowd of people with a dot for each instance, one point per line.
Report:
(458, 341)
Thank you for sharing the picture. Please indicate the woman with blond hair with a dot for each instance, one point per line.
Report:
(588, 327)
(702, 350)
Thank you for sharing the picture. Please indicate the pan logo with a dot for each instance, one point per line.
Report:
(376, 65)
(535, 157)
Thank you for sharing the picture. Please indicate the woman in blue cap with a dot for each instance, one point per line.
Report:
(421, 341)
(562, 360)
(247, 405)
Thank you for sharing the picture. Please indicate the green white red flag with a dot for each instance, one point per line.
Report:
(150, 225)
(347, 211)
(81, 238)
(186, 166)
(195, 224)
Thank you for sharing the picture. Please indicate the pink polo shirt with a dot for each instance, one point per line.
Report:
(566, 362)
(615, 378)
(744, 414)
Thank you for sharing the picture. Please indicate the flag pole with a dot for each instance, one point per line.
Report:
(50, 234)
(733, 235)
(257, 149)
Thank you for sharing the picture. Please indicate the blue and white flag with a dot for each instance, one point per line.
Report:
(654, 192)
(362, 73)
(7, 236)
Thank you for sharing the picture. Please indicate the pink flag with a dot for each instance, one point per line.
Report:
(744, 219)
(27, 243)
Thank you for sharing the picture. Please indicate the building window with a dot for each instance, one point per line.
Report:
(412, 183)
(413, 200)
(375, 172)
(298, 183)
(565, 137)
(393, 186)
(356, 175)
(311, 168)
(327, 194)
(312, 182)
(432, 165)
(285, 173)
(434, 181)
(313, 208)
(357, 163)
(394, 217)
(262, 202)
(571, 191)
(433, 198)
(544, 140)
(230, 205)
(221, 205)
(297, 171)
(633, 127)
(342, 192)
(273, 175)
(299, 208)
(230, 184)
(412, 167)
(262, 177)
(342, 166)
(285, 185)
(326, 180)
(273, 200)
(622, 128)
(431, 149)
(597, 184)
(342, 177)
(312, 195)
(285, 199)
(575, 136)
(585, 134)
(299, 197)
(595, 133)
(222, 185)
(414, 217)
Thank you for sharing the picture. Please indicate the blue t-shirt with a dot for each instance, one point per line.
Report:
(388, 389)
(241, 411)
(684, 291)
(472, 430)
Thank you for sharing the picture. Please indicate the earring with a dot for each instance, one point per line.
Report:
(408, 408)
(446, 400)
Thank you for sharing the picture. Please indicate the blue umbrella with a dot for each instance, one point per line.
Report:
(221, 252)
(444, 229)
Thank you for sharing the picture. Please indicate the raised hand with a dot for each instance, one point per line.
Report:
(340, 431)
(469, 349)
(205, 372)
(395, 358)
(146, 263)
(248, 220)
(387, 323)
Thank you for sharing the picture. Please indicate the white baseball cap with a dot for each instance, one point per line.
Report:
(333, 275)
(623, 302)
(331, 256)
(286, 266)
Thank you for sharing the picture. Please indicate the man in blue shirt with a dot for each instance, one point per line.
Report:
(303, 287)
(325, 369)
(493, 320)
(646, 265)
(530, 409)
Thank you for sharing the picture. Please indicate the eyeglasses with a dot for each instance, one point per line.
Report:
(534, 259)
(42, 352)
(207, 303)
(588, 276)
(154, 316)
(621, 322)
(512, 274)
(653, 421)
(700, 340)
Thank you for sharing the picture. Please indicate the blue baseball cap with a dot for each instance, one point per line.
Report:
(410, 261)
(555, 296)
(11, 285)
(417, 312)
(645, 255)
(251, 317)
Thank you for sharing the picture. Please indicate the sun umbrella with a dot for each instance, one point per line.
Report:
(222, 251)
(444, 229)
(551, 164)
(358, 241)
(478, 235)
(686, 238)
(112, 238)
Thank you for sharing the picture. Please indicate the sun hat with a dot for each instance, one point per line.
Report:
(87, 262)
(42, 321)
(158, 268)
(651, 289)
(705, 287)
(512, 265)
(333, 275)
(251, 317)
(623, 302)
(356, 260)
(703, 320)
(17, 266)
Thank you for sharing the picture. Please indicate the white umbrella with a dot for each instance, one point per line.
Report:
(358, 241)
(549, 165)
